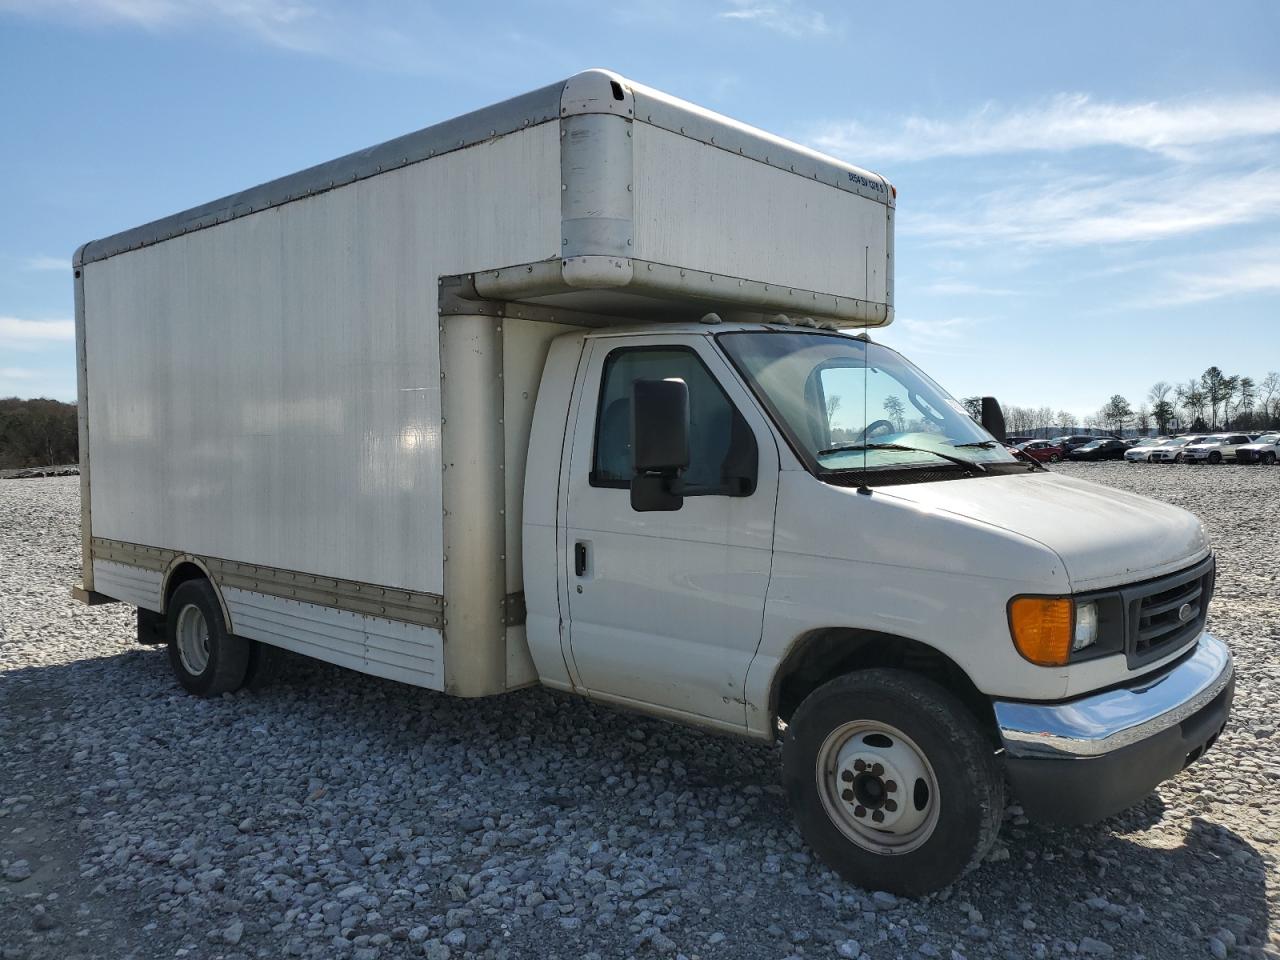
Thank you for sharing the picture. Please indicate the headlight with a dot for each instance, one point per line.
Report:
(1086, 630)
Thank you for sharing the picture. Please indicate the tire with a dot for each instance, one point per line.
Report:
(1269, 458)
(1215, 457)
(1056, 458)
(206, 659)
(894, 716)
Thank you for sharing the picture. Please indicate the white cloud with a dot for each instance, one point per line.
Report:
(1228, 273)
(1065, 211)
(781, 16)
(948, 336)
(18, 332)
(1065, 122)
(963, 288)
(46, 263)
(321, 27)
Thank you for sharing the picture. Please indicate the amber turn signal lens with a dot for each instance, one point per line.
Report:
(1041, 628)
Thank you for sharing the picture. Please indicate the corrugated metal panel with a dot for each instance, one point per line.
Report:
(128, 583)
(385, 648)
(268, 390)
(702, 208)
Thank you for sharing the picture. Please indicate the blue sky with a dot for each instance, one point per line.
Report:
(1089, 193)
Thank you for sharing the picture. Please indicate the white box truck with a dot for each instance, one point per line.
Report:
(577, 390)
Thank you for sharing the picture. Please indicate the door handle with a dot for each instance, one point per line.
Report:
(580, 558)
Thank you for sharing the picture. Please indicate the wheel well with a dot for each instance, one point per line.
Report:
(822, 655)
(180, 575)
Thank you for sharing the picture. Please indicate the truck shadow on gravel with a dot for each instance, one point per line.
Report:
(136, 791)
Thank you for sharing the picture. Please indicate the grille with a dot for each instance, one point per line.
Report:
(1167, 612)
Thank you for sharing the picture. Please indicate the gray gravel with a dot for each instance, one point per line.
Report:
(336, 815)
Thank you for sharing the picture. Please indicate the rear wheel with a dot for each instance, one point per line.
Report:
(1215, 457)
(1269, 457)
(205, 657)
(1055, 458)
(892, 782)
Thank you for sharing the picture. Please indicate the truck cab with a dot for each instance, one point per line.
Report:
(846, 561)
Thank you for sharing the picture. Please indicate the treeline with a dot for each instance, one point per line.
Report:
(1210, 402)
(38, 433)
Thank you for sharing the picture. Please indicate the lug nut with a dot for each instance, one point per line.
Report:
(846, 776)
(859, 811)
(847, 796)
(877, 769)
(878, 816)
(859, 765)
(890, 786)
(891, 805)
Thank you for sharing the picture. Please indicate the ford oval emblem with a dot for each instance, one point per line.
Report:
(1184, 612)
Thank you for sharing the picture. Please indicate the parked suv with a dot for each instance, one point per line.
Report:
(1171, 450)
(1215, 448)
(1262, 450)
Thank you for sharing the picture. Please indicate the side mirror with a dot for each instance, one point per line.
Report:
(993, 417)
(659, 443)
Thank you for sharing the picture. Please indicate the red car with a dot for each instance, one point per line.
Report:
(1042, 450)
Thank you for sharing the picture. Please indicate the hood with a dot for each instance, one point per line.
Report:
(1105, 537)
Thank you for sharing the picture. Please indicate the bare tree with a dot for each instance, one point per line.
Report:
(1142, 419)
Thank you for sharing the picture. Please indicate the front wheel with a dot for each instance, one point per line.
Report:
(1215, 457)
(1055, 458)
(1268, 458)
(892, 782)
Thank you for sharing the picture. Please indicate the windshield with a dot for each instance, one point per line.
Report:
(1268, 438)
(838, 397)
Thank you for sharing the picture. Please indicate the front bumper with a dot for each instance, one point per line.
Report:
(1081, 760)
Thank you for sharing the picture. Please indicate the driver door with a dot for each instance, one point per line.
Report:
(666, 608)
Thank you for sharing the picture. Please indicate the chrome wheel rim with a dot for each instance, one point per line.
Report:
(878, 787)
(193, 640)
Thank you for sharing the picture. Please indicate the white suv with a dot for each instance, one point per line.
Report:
(1214, 449)
(1263, 450)
(1171, 450)
(1141, 451)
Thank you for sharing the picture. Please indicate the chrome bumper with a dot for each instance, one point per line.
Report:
(1100, 723)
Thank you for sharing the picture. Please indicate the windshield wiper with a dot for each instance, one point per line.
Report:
(1017, 454)
(960, 461)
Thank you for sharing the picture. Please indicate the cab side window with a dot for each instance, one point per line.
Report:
(722, 449)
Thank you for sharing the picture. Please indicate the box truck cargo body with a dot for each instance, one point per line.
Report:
(563, 391)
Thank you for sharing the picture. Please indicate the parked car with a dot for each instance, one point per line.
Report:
(1070, 442)
(1215, 448)
(1264, 449)
(1041, 450)
(1171, 450)
(1100, 449)
(1140, 452)
(1017, 441)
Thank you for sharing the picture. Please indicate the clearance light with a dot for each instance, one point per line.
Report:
(1043, 629)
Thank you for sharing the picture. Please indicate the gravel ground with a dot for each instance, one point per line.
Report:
(336, 815)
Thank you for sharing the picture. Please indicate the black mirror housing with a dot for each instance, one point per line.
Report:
(659, 443)
(993, 418)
